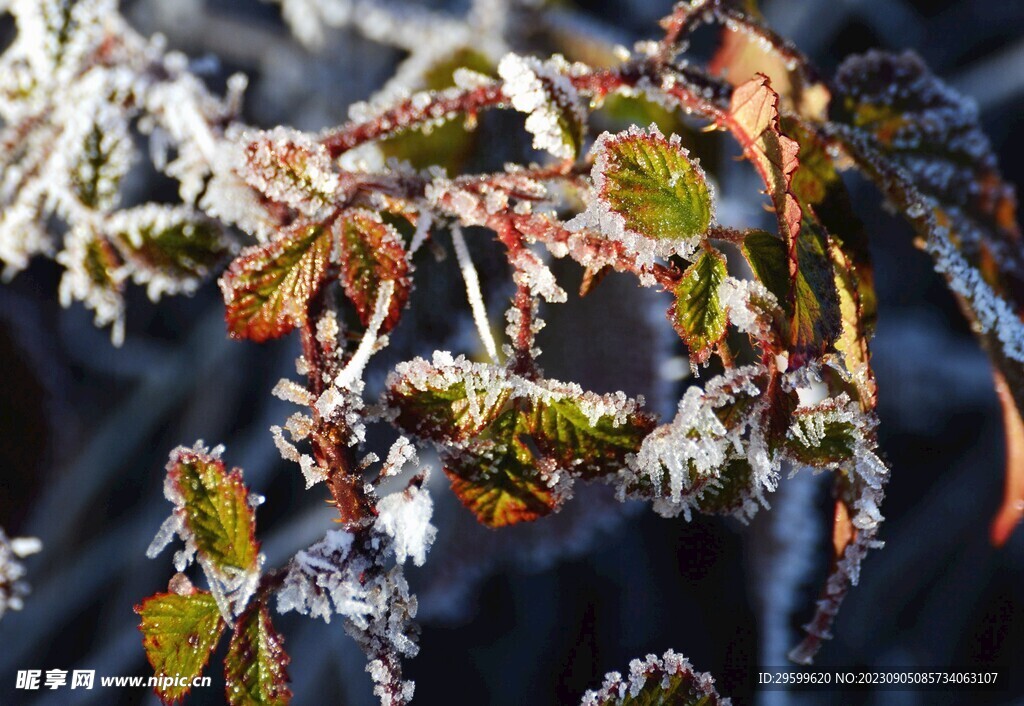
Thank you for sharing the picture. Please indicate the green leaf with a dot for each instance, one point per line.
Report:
(447, 401)
(818, 439)
(177, 243)
(372, 253)
(255, 667)
(291, 168)
(697, 314)
(769, 261)
(179, 633)
(816, 322)
(498, 480)
(216, 509)
(813, 309)
(588, 447)
(505, 435)
(268, 287)
(652, 185)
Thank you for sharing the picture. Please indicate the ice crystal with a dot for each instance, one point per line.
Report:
(13, 587)
(405, 517)
(543, 91)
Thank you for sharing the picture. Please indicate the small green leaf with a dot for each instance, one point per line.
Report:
(179, 632)
(255, 667)
(651, 183)
(177, 243)
(814, 319)
(587, 447)
(216, 510)
(372, 253)
(268, 287)
(697, 314)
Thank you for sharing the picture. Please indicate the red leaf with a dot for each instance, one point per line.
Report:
(1012, 509)
(372, 253)
(268, 287)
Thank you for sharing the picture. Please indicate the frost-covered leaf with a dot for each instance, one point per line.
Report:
(668, 681)
(923, 144)
(683, 461)
(445, 404)
(507, 441)
(372, 253)
(819, 439)
(216, 509)
(652, 185)
(93, 275)
(256, 665)
(170, 248)
(589, 436)
(288, 166)
(101, 159)
(267, 287)
(179, 632)
(542, 90)
(698, 314)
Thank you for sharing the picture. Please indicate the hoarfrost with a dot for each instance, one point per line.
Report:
(405, 517)
(13, 587)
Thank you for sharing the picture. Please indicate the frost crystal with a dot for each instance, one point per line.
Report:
(405, 517)
(654, 680)
(686, 456)
(13, 588)
(543, 91)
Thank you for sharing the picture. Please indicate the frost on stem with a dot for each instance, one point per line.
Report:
(13, 587)
(346, 573)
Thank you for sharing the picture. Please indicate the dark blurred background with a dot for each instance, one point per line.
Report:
(536, 614)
